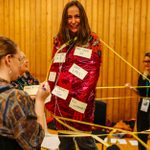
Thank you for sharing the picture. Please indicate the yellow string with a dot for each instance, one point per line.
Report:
(110, 134)
(81, 134)
(120, 87)
(62, 46)
(86, 123)
(111, 98)
(66, 125)
(113, 130)
(123, 59)
(74, 134)
(139, 140)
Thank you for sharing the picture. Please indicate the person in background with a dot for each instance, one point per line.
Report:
(25, 78)
(74, 74)
(143, 114)
(21, 119)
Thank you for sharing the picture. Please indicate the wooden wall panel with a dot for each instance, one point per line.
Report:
(124, 25)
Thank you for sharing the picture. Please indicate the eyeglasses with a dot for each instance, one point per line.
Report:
(20, 58)
(146, 61)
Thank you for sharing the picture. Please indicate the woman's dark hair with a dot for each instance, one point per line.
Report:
(7, 46)
(147, 54)
(84, 29)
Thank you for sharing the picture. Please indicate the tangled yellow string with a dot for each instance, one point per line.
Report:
(80, 133)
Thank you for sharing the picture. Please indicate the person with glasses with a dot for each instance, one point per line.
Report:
(143, 114)
(25, 78)
(21, 119)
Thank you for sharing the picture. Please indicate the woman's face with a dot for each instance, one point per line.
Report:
(23, 64)
(15, 61)
(73, 19)
(146, 62)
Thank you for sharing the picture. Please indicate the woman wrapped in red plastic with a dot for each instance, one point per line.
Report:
(74, 73)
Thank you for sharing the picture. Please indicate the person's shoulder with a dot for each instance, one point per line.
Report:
(94, 35)
(94, 39)
(18, 94)
(19, 102)
(142, 78)
(56, 40)
(21, 98)
(95, 42)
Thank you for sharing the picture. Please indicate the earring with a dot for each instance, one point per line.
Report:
(10, 71)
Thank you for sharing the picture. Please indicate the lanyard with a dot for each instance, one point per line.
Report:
(147, 89)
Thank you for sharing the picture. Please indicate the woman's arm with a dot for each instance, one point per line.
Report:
(42, 94)
(132, 88)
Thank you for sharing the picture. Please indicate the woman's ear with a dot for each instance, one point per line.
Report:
(8, 59)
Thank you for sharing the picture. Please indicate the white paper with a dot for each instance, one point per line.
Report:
(31, 90)
(52, 76)
(78, 71)
(77, 105)
(60, 58)
(122, 141)
(60, 92)
(50, 141)
(83, 52)
(133, 142)
(145, 105)
(112, 140)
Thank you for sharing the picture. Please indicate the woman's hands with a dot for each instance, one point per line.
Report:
(43, 91)
(128, 85)
(42, 94)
